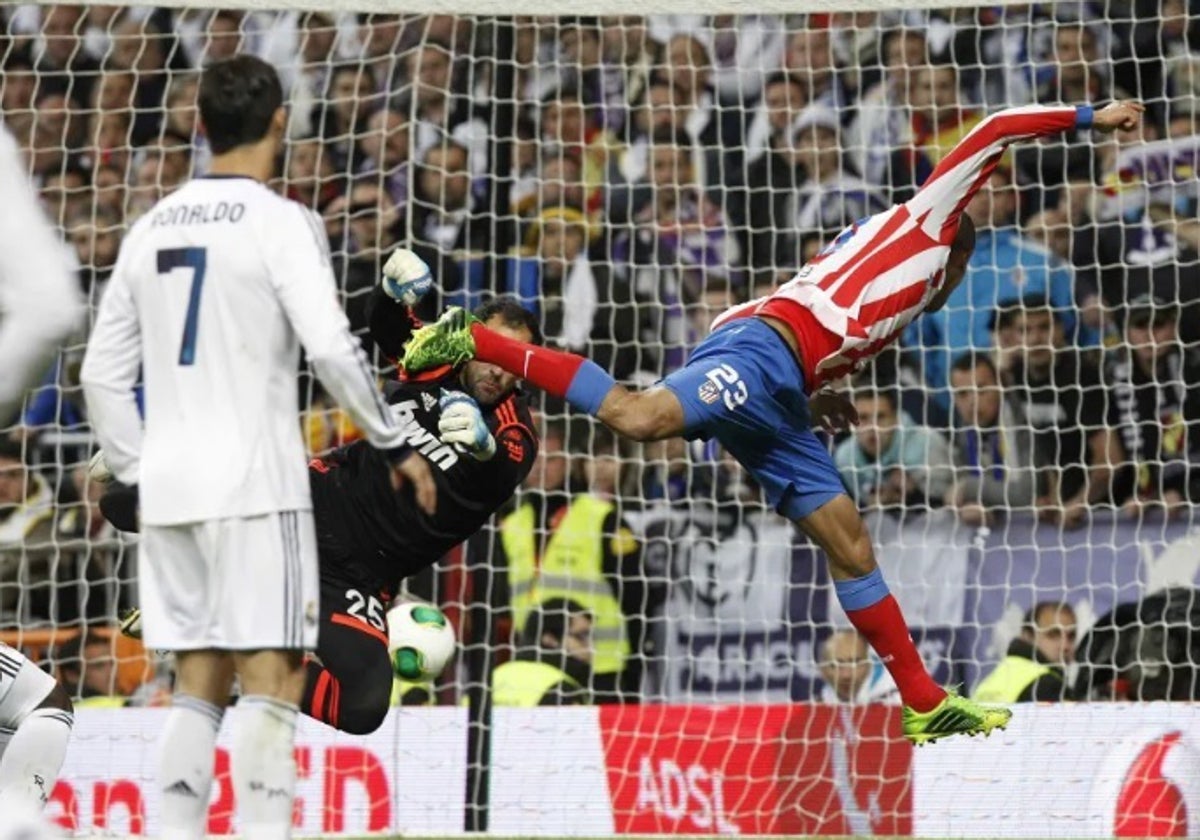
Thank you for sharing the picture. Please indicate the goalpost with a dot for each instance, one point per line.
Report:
(628, 171)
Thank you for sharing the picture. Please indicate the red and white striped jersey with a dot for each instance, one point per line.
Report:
(858, 295)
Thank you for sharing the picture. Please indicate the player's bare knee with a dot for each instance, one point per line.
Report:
(278, 674)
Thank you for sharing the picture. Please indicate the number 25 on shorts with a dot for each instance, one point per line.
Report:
(729, 383)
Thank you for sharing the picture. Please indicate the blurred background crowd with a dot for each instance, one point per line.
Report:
(628, 178)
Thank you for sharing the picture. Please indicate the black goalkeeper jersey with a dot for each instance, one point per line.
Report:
(372, 536)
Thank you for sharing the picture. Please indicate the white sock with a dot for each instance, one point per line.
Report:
(264, 767)
(30, 764)
(186, 749)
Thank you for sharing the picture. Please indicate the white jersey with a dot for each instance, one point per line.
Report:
(213, 293)
(40, 300)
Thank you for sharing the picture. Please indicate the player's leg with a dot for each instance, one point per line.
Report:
(654, 414)
(804, 485)
(38, 716)
(349, 683)
(269, 617)
(175, 580)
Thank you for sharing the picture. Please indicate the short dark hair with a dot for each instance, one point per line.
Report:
(11, 450)
(668, 136)
(509, 310)
(551, 617)
(972, 359)
(964, 237)
(1030, 619)
(238, 99)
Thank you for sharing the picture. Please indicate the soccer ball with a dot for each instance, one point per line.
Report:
(420, 640)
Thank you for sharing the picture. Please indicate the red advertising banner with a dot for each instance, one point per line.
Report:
(757, 770)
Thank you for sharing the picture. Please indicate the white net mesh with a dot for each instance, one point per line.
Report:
(628, 178)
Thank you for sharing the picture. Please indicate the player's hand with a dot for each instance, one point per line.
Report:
(462, 424)
(1125, 116)
(415, 470)
(406, 277)
(832, 411)
(98, 470)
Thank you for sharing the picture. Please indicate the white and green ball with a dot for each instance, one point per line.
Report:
(420, 640)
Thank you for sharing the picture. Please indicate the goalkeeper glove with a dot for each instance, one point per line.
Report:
(406, 277)
(462, 424)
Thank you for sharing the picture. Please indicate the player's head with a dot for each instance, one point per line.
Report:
(559, 626)
(1051, 628)
(956, 264)
(241, 105)
(486, 383)
(845, 663)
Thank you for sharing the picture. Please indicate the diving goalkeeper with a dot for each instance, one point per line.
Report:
(759, 381)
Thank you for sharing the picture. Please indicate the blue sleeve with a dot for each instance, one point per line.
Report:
(1084, 116)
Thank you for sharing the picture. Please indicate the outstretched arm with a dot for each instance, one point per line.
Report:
(966, 168)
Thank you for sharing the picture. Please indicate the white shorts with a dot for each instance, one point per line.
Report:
(23, 687)
(245, 583)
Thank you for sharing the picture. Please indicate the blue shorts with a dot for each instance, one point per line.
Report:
(743, 386)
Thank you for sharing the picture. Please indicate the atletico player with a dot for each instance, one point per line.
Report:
(759, 381)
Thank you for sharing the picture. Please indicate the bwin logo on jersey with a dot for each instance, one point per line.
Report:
(420, 439)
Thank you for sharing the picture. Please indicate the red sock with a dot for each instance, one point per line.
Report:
(883, 626)
(550, 370)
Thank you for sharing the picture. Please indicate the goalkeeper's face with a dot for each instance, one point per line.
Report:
(486, 383)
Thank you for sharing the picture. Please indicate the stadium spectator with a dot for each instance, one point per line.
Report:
(381, 38)
(310, 179)
(890, 462)
(88, 671)
(581, 303)
(833, 195)
(809, 59)
(569, 129)
(1033, 669)
(383, 145)
(1004, 267)
(306, 80)
(994, 463)
(1155, 404)
(448, 219)
(63, 65)
(374, 229)
(347, 99)
(26, 500)
(939, 121)
(881, 123)
(65, 194)
(96, 237)
(553, 662)
(442, 108)
(680, 244)
(1061, 396)
(851, 674)
(579, 547)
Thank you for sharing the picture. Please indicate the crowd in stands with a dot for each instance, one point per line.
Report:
(628, 178)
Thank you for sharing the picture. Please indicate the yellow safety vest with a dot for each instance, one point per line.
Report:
(573, 568)
(101, 702)
(1013, 675)
(520, 683)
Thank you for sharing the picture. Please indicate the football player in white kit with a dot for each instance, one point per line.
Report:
(40, 306)
(40, 301)
(214, 292)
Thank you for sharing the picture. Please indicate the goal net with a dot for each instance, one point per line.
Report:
(1025, 459)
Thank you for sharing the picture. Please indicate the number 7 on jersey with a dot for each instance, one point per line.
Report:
(170, 259)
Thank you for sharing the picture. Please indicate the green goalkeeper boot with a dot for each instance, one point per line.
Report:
(955, 715)
(447, 341)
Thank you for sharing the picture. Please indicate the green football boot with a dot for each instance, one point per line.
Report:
(955, 715)
(447, 341)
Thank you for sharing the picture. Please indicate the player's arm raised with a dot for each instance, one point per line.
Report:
(302, 277)
(960, 173)
(109, 374)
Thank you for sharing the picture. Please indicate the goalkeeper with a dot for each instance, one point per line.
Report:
(376, 524)
(759, 381)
